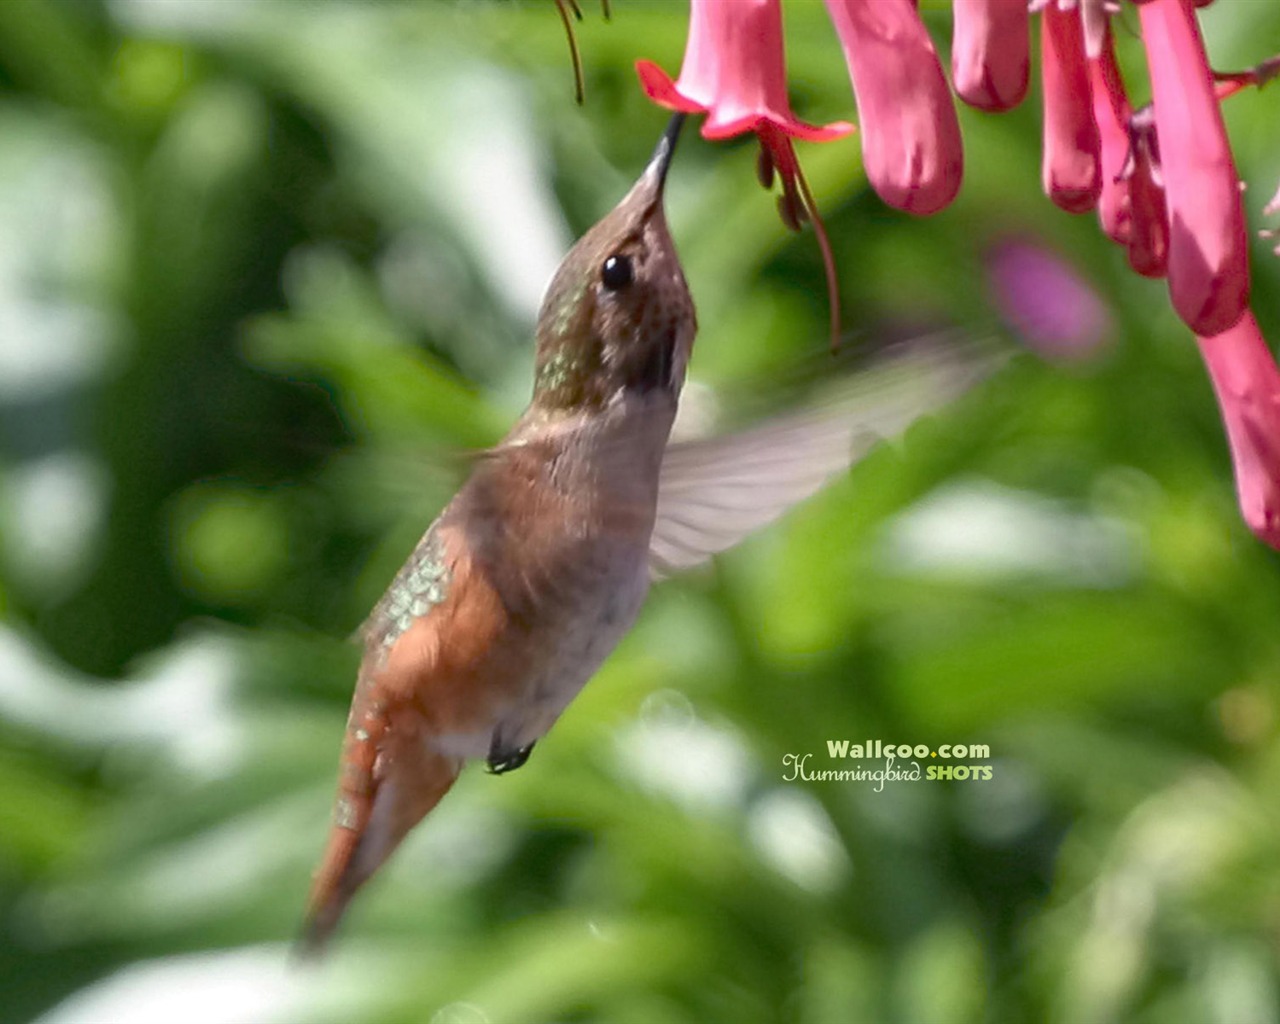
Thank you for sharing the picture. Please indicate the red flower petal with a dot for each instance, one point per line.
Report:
(910, 136)
(1072, 177)
(1247, 383)
(989, 62)
(660, 88)
(1208, 244)
(793, 127)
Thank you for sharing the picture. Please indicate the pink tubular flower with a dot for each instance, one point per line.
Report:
(989, 62)
(734, 70)
(1111, 112)
(1247, 383)
(1162, 177)
(1208, 245)
(910, 135)
(1072, 177)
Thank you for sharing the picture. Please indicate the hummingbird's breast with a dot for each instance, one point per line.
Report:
(529, 579)
(571, 560)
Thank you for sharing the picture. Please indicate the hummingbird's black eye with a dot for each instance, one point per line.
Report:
(616, 273)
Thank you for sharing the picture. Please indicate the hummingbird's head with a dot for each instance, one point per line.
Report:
(618, 316)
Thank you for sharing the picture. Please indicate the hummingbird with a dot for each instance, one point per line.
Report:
(539, 565)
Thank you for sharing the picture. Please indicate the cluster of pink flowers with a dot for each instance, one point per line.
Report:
(1161, 178)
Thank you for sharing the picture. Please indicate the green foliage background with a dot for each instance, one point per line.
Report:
(262, 261)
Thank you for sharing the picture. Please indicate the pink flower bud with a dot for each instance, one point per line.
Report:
(1148, 220)
(910, 136)
(1072, 176)
(1208, 244)
(1111, 113)
(1247, 383)
(989, 52)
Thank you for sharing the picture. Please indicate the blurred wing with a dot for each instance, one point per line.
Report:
(713, 492)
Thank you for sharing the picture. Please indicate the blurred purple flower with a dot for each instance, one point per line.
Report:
(1045, 301)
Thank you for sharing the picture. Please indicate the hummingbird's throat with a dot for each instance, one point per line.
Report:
(561, 376)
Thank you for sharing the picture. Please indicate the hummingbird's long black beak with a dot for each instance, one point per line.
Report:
(661, 160)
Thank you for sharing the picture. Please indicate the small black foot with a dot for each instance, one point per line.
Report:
(502, 761)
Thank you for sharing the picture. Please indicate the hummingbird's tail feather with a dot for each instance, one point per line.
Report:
(374, 811)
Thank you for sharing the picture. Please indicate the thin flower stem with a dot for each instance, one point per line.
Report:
(1231, 82)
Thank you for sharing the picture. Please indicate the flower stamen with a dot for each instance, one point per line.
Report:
(579, 84)
(1270, 210)
(764, 168)
(828, 258)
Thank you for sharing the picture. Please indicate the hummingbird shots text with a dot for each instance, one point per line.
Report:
(893, 762)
